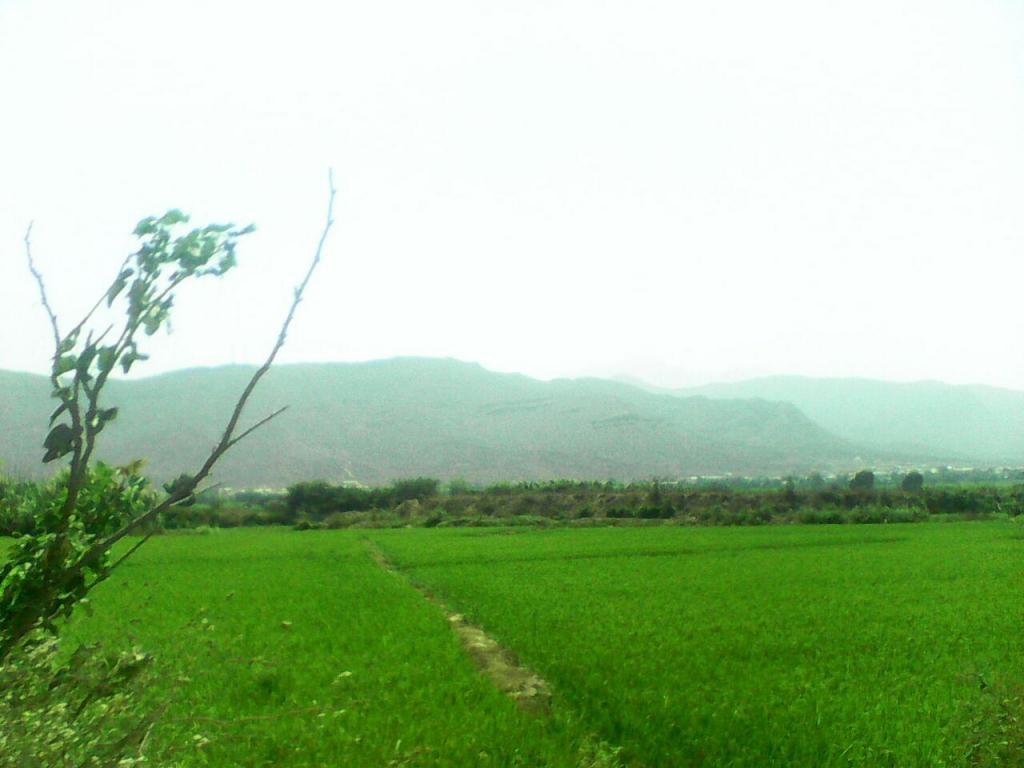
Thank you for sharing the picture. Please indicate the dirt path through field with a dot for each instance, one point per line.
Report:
(530, 691)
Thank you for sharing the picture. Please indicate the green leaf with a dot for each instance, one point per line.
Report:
(209, 248)
(69, 342)
(145, 227)
(65, 364)
(85, 360)
(101, 419)
(60, 409)
(172, 217)
(58, 443)
(181, 486)
(118, 285)
(137, 296)
(130, 357)
(107, 358)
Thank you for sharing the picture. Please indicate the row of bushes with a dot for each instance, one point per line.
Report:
(419, 502)
(691, 508)
(716, 516)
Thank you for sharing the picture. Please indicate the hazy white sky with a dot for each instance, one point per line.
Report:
(679, 190)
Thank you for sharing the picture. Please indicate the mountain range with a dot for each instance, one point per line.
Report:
(970, 424)
(378, 421)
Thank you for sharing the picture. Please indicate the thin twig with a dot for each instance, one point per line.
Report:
(125, 556)
(209, 488)
(225, 441)
(71, 401)
(42, 289)
(257, 425)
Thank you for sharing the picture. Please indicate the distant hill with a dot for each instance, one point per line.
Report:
(960, 423)
(378, 421)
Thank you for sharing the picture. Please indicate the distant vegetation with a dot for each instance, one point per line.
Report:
(614, 503)
(426, 502)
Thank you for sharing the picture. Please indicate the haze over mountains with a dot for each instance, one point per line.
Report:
(378, 421)
(973, 424)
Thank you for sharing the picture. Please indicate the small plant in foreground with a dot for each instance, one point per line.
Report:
(48, 705)
(84, 711)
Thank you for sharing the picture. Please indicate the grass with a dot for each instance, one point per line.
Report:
(303, 652)
(816, 646)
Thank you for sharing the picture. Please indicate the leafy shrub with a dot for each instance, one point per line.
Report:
(31, 596)
(340, 520)
(865, 515)
(912, 482)
(620, 513)
(337, 520)
(826, 516)
(308, 525)
(409, 509)
(83, 712)
(413, 488)
(655, 512)
(906, 515)
(313, 499)
(761, 514)
(17, 502)
(863, 481)
(499, 489)
(317, 499)
(459, 487)
(957, 500)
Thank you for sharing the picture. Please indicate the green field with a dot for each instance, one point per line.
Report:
(816, 646)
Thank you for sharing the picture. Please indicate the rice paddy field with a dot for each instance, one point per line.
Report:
(663, 646)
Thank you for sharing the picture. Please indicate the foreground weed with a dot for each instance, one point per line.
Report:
(995, 734)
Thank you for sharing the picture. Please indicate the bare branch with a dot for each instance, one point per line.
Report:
(42, 290)
(257, 425)
(213, 487)
(71, 401)
(226, 438)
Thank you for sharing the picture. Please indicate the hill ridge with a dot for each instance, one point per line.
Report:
(974, 423)
(399, 417)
